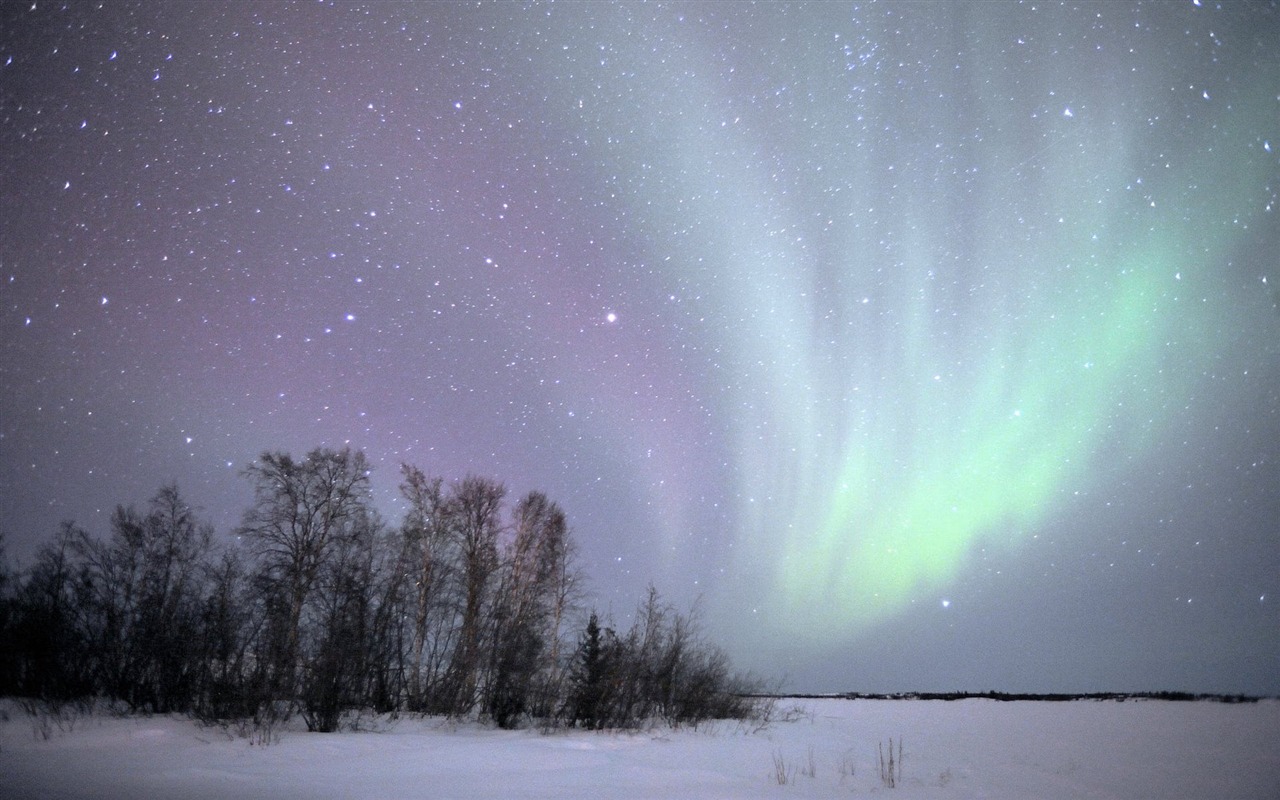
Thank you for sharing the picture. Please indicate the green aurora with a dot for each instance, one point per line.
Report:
(943, 328)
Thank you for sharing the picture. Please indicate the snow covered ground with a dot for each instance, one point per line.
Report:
(828, 748)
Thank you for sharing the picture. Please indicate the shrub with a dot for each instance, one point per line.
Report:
(891, 770)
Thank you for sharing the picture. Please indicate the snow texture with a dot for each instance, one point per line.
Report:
(963, 749)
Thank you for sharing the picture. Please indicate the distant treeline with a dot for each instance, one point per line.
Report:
(1009, 696)
(318, 607)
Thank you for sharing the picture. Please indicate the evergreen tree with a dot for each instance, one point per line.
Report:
(589, 703)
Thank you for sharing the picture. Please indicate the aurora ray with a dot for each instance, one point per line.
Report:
(949, 318)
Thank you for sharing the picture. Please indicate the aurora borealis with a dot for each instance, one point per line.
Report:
(935, 346)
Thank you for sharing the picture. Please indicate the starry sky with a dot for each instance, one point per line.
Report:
(932, 346)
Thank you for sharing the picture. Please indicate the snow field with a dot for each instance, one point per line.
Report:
(961, 749)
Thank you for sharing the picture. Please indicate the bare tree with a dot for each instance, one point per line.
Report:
(140, 590)
(427, 561)
(8, 616)
(175, 550)
(302, 512)
(474, 513)
(448, 612)
(109, 592)
(336, 667)
(527, 610)
(50, 642)
(228, 628)
(389, 621)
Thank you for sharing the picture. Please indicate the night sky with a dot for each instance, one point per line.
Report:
(933, 346)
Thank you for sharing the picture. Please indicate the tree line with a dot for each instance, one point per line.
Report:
(317, 607)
